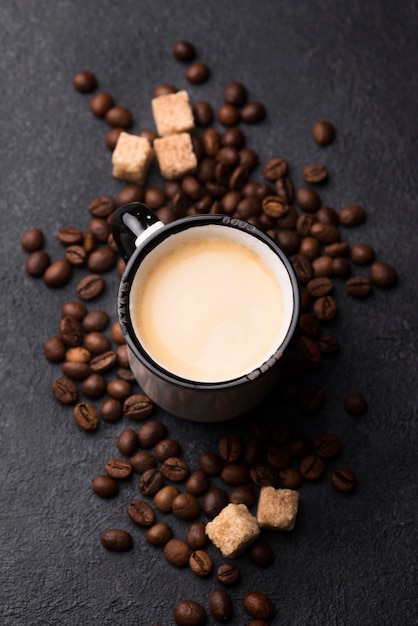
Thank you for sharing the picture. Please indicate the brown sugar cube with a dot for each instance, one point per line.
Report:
(277, 508)
(172, 113)
(131, 158)
(175, 155)
(233, 529)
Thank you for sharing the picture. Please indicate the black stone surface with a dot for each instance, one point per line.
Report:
(351, 560)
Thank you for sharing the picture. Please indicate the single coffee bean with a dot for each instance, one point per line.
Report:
(57, 274)
(278, 457)
(32, 240)
(189, 613)
(86, 416)
(100, 228)
(133, 192)
(76, 255)
(325, 233)
(65, 391)
(186, 506)
(233, 137)
(101, 260)
(112, 136)
(177, 552)
(197, 483)
(310, 247)
(214, 501)
(125, 373)
(343, 480)
(166, 448)
(79, 371)
(275, 206)
(299, 445)
(326, 446)
(328, 344)
(289, 241)
(90, 286)
(94, 386)
(175, 469)
(228, 115)
(141, 513)
(116, 540)
(252, 451)
(127, 442)
(323, 132)
(341, 267)
(355, 404)
(382, 274)
(78, 354)
(111, 410)
(312, 467)
(311, 398)
(327, 215)
(54, 350)
(248, 158)
(362, 254)
(95, 321)
(163, 499)
(103, 206)
(310, 352)
(275, 168)
(101, 103)
(151, 482)
(243, 494)
(253, 112)
(230, 448)
(220, 605)
(70, 235)
(258, 605)
(352, 215)
(105, 486)
(196, 537)
(74, 309)
(308, 199)
(163, 90)
(309, 325)
(183, 51)
(84, 81)
(138, 407)
(118, 389)
(200, 563)
(304, 223)
(235, 474)
(89, 242)
(71, 332)
(151, 433)
(122, 354)
(197, 73)
(119, 117)
(263, 475)
(303, 268)
(337, 249)
(235, 93)
(203, 113)
(228, 573)
(210, 463)
(104, 361)
(158, 534)
(325, 308)
(142, 461)
(37, 263)
(315, 173)
(290, 478)
(118, 468)
(260, 553)
(320, 286)
(358, 286)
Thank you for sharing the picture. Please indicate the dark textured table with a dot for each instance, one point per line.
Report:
(351, 559)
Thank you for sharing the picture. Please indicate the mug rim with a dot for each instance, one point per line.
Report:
(152, 241)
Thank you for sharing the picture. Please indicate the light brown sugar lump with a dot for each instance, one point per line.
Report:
(175, 155)
(277, 508)
(233, 530)
(131, 158)
(172, 113)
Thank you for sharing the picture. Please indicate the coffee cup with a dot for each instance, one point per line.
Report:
(208, 305)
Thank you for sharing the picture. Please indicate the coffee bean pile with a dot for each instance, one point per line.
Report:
(97, 383)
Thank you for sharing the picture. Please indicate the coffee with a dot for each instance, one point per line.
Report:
(211, 304)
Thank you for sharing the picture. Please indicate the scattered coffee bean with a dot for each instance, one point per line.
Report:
(243, 494)
(214, 501)
(197, 483)
(315, 173)
(352, 215)
(308, 199)
(382, 275)
(138, 407)
(65, 391)
(312, 467)
(175, 469)
(258, 605)
(70, 331)
(228, 573)
(343, 480)
(127, 442)
(210, 463)
(253, 112)
(118, 468)
(163, 499)
(86, 416)
(220, 605)
(100, 104)
(37, 263)
(230, 448)
(290, 478)
(260, 553)
(54, 350)
(177, 552)
(151, 482)
(186, 506)
(325, 308)
(235, 93)
(94, 386)
(119, 117)
(159, 534)
(358, 286)
(74, 309)
(323, 132)
(84, 81)
(105, 486)
(200, 563)
(197, 73)
(362, 254)
(166, 448)
(263, 475)
(142, 461)
(116, 540)
(326, 446)
(141, 513)
(150, 433)
(196, 537)
(183, 51)
(189, 613)
(355, 404)
(90, 286)
(32, 240)
(57, 274)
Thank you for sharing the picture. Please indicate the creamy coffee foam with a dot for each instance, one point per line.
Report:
(211, 303)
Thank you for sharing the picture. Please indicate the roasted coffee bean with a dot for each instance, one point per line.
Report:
(328, 344)
(289, 241)
(65, 391)
(327, 215)
(163, 90)
(299, 445)
(76, 255)
(57, 274)
(220, 605)
(101, 260)
(103, 206)
(382, 274)
(134, 192)
(166, 448)
(101, 103)
(138, 407)
(125, 373)
(243, 494)
(70, 235)
(260, 553)
(37, 263)
(127, 442)
(275, 206)
(352, 215)
(54, 350)
(151, 482)
(163, 499)
(142, 461)
(355, 404)
(118, 468)
(310, 352)
(325, 233)
(119, 117)
(228, 573)
(196, 537)
(343, 480)
(358, 286)
(252, 451)
(189, 613)
(253, 112)
(141, 513)
(158, 534)
(74, 309)
(183, 51)
(123, 356)
(78, 354)
(197, 73)
(197, 483)
(275, 168)
(303, 268)
(308, 199)
(235, 93)
(214, 501)
(290, 478)
(309, 325)
(94, 386)
(311, 398)
(263, 475)
(175, 469)
(116, 333)
(325, 308)
(238, 178)
(310, 248)
(89, 242)
(90, 286)
(228, 155)
(155, 197)
(84, 81)
(111, 410)
(228, 115)
(278, 457)
(248, 207)
(323, 132)
(312, 467)
(95, 321)
(320, 286)
(32, 240)
(97, 343)
(230, 448)
(362, 254)
(116, 540)
(315, 173)
(211, 141)
(100, 228)
(210, 463)
(200, 563)
(71, 332)
(151, 433)
(235, 474)
(86, 416)
(177, 552)
(112, 136)
(233, 137)
(326, 446)
(79, 371)
(105, 486)
(323, 266)
(104, 361)
(337, 249)
(258, 605)
(248, 158)
(341, 267)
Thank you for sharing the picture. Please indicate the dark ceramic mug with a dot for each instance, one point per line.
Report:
(143, 241)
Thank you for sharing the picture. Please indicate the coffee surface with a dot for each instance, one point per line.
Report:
(209, 310)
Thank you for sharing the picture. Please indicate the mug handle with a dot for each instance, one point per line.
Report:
(131, 224)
